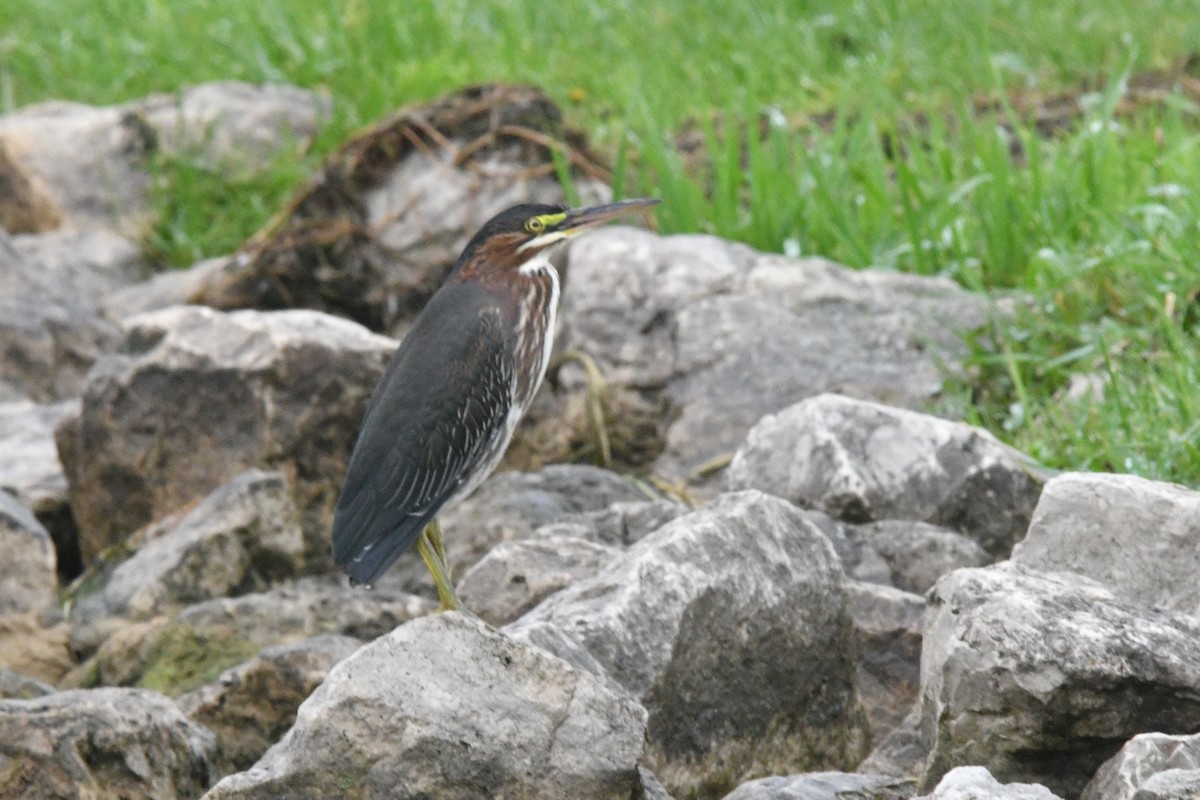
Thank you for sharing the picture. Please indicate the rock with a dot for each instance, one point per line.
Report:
(825, 786)
(50, 333)
(31, 648)
(901, 753)
(31, 472)
(1144, 758)
(252, 705)
(81, 167)
(910, 556)
(165, 289)
(976, 783)
(15, 686)
(650, 788)
(175, 654)
(28, 582)
(375, 232)
(699, 329)
(447, 707)
(1041, 677)
(196, 396)
(1139, 538)
(861, 462)
(510, 506)
(81, 265)
(516, 576)
(729, 624)
(241, 538)
(102, 744)
(619, 525)
(887, 635)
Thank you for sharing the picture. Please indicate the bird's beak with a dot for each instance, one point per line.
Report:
(578, 220)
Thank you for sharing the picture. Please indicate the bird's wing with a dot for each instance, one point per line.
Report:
(442, 402)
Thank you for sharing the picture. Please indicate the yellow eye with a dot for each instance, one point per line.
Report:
(535, 225)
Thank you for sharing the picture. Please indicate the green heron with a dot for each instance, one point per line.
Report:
(452, 395)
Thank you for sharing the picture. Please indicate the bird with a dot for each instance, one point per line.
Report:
(446, 406)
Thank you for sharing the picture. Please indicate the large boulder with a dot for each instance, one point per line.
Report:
(447, 707)
(1151, 766)
(1139, 538)
(102, 744)
(28, 582)
(196, 396)
(730, 625)
(241, 538)
(1041, 677)
(251, 706)
(860, 461)
(32, 473)
(378, 228)
(82, 167)
(698, 338)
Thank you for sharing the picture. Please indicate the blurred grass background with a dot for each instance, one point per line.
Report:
(899, 134)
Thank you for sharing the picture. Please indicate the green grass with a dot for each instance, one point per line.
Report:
(1099, 226)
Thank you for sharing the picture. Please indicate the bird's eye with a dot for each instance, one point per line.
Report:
(535, 225)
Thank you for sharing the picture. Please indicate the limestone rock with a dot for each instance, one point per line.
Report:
(176, 653)
(1149, 767)
(510, 506)
(976, 783)
(196, 396)
(908, 555)
(619, 525)
(1041, 677)
(252, 705)
(729, 624)
(824, 786)
(1139, 538)
(82, 167)
(701, 337)
(15, 686)
(31, 472)
(860, 462)
(516, 576)
(887, 634)
(27, 576)
(375, 232)
(902, 752)
(102, 744)
(241, 538)
(446, 707)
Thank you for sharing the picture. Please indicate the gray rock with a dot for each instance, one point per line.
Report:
(242, 537)
(179, 652)
(729, 624)
(375, 232)
(252, 705)
(196, 396)
(650, 788)
(887, 635)
(1144, 757)
(825, 786)
(81, 167)
(50, 331)
(102, 744)
(701, 337)
(32, 473)
(446, 707)
(860, 462)
(1041, 677)
(901, 753)
(15, 686)
(976, 783)
(619, 525)
(1139, 538)
(173, 287)
(908, 555)
(82, 265)
(508, 507)
(28, 582)
(516, 576)
(1171, 784)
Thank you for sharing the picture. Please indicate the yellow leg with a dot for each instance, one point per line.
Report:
(434, 531)
(432, 552)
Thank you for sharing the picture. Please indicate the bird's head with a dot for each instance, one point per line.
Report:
(516, 236)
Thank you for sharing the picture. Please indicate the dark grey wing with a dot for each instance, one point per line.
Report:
(439, 409)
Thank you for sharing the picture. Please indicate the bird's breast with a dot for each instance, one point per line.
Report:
(537, 313)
